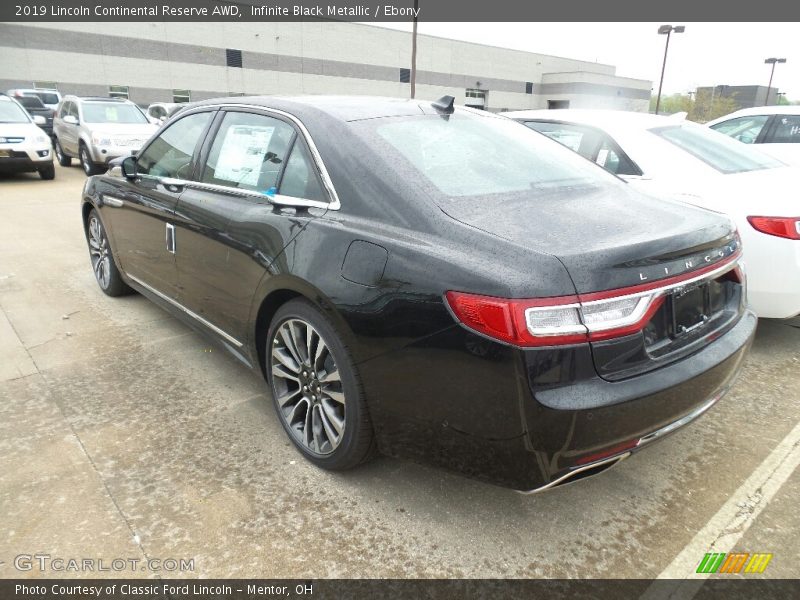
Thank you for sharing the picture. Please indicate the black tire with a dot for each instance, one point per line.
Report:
(48, 172)
(106, 274)
(63, 159)
(89, 167)
(356, 441)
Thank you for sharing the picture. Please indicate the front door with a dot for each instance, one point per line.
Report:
(141, 211)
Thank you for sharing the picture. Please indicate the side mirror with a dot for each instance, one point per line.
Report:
(128, 167)
(71, 120)
(39, 120)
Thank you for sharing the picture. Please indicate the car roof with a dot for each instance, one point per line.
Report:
(97, 99)
(343, 108)
(791, 109)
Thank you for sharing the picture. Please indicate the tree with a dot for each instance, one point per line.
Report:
(710, 105)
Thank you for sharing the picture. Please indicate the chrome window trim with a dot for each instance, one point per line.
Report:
(189, 312)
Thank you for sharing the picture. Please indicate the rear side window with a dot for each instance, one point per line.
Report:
(718, 151)
(571, 136)
(170, 154)
(249, 152)
(300, 179)
(589, 143)
(744, 129)
(786, 130)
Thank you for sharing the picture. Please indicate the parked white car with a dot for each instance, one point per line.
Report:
(50, 98)
(24, 146)
(671, 156)
(776, 130)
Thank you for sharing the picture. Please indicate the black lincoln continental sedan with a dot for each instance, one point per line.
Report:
(428, 282)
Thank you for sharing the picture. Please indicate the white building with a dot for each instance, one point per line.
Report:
(161, 61)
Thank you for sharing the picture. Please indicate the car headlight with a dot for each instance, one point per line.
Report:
(41, 139)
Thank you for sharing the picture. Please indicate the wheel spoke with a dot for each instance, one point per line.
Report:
(288, 342)
(283, 400)
(334, 395)
(321, 349)
(283, 356)
(330, 376)
(284, 373)
(331, 418)
(297, 341)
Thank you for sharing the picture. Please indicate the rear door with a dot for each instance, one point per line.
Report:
(229, 229)
(140, 212)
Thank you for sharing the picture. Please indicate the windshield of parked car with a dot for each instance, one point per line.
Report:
(472, 155)
(720, 152)
(30, 102)
(48, 97)
(112, 112)
(11, 112)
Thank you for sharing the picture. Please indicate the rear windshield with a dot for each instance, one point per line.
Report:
(724, 154)
(112, 112)
(48, 97)
(11, 112)
(472, 155)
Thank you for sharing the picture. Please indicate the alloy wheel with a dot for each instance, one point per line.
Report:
(307, 387)
(59, 154)
(98, 250)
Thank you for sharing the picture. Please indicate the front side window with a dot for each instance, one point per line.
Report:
(718, 151)
(48, 97)
(170, 154)
(470, 155)
(112, 112)
(744, 129)
(249, 152)
(11, 112)
(786, 130)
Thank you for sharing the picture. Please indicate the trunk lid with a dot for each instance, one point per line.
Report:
(607, 237)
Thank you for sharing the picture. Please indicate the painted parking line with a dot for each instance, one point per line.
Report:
(731, 521)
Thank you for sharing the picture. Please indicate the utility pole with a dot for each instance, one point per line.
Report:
(666, 30)
(414, 53)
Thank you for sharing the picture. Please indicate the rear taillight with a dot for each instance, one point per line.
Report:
(575, 319)
(785, 227)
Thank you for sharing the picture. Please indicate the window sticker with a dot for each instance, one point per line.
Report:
(242, 154)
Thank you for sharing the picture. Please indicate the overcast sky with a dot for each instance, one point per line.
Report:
(705, 54)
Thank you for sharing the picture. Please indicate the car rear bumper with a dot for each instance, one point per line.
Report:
(477, 407)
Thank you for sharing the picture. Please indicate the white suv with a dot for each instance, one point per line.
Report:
(24, 146)
(97, 130)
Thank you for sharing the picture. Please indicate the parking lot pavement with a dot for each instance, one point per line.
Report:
(123, 434)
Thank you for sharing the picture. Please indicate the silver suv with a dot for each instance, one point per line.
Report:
(97, 130)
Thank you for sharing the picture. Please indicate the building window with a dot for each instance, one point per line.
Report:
(554, 104)
(45, 85)
(405, 75)
(118, 91)
(236, 94)
(181, 96)
(233, 58)
(476, 98)
(528, 87)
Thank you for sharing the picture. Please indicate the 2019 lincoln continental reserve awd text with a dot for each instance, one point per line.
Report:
(429, 282)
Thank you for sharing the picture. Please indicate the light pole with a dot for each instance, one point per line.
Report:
(666, 30)
(773, 62)
(413, 75)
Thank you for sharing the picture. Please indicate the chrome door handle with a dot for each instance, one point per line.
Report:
(113, 202)
(170, 238)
